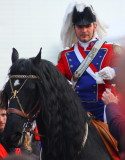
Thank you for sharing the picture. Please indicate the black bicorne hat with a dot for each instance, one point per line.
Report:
(83, 18)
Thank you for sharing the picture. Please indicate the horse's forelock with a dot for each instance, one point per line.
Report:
(21, 66)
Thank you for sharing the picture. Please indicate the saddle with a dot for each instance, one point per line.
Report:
(108, 140)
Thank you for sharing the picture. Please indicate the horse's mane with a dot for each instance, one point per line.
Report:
(62, 112)
(62, 117)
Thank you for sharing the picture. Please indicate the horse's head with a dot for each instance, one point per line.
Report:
(21, 96)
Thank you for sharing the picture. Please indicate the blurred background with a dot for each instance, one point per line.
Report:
(28, 25)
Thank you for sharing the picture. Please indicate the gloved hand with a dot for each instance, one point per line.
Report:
(99, 79)
(107, 73)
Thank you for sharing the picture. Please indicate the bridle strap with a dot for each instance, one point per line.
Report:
(13, 110)
(34, 108)
(35, 133)
(15, 92)
(24, 76)
(18, 112)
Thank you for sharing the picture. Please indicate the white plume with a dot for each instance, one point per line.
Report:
(68, 36)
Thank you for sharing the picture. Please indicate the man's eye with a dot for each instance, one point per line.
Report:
(88, 25)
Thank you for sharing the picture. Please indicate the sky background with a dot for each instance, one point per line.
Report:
(28, 25)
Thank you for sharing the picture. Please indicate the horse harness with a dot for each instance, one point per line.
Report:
(21, 112)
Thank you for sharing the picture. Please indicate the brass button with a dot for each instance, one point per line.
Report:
(100, 56)
(71, 66)
(94, 92)
(70, 59)
(97, 64)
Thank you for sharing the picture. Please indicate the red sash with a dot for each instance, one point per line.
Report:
(93, 68)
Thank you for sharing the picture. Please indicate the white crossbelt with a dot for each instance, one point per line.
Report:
(84, 66)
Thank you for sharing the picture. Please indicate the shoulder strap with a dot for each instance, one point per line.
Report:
(86, 62)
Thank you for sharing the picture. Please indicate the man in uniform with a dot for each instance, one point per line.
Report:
(80, 31)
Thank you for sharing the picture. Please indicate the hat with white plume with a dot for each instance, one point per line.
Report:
(79, 12)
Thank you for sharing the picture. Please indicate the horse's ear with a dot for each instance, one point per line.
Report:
(37, 59)
(15, 55)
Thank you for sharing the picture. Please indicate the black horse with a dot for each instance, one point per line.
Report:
(37, 90)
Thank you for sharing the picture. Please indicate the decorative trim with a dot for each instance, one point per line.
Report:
(24, 76)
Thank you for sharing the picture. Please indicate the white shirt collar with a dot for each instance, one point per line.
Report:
(85, 45)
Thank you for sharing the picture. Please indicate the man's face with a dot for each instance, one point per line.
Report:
(3, 118)
(85, 33)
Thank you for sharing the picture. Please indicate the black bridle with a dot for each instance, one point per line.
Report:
(29, 116)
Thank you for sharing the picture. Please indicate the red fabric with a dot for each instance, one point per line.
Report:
(37, 138)
(3, 152)
(115, 155)
(63, 65)
(84, 56)
(18, 151)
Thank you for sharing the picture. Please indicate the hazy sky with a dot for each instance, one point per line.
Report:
(28, 25)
